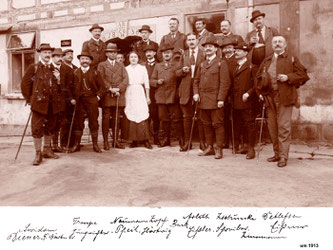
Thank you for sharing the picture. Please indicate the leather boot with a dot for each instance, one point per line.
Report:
(202, 146)
(165, 142)
(47, 150)
(186, 146)
(106, 145)
(181, 144)
(38, 147)
(76, 147)
(55, 146)
(133, 144)
(147, 144)
(95, 144)
(105, 132)
(208, 151)
(218, 153)
(117, 144)
(250, 153)
(156, 140)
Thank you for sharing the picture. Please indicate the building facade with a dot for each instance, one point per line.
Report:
(24, 24)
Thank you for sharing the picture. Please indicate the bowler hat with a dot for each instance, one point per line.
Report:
(84, 53)
(146, 27)
(44, 46)
(228, 41)
(255, 14)
(57, 52)
(96, 26)
(149, 47)
(67, 50)
(242, 46)
(166, 47)
(111, 47)
(211, 40)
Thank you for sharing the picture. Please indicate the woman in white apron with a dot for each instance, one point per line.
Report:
(137, 101)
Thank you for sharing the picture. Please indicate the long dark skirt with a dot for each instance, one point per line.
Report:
(138, 131)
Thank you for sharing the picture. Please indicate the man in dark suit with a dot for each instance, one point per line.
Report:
(141, 45)
(225, 27)
(41, 89)
(150, 51)
(189, 65)
(88, 90)
(175, 38)
(211, 85)
(280, 95)
(243, 100)
(164, 80)
(95, 46)
(66, 78)
(202, 33)
(115, 79)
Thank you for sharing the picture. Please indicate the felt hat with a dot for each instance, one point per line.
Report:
(67, 50)
(57, 52)
(149, 47)
(255, 14)
(84, 53)
(228, 41)
(166, 47)
(146, 27)
(211, 40)
(242, 46)
(111, 47)
(96, 26)
(44, 46)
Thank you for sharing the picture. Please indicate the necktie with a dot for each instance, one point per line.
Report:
(192, 58)
(261, 38)
(173, 36)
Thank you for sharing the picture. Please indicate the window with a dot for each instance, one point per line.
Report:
(21, 55)
(213, 20)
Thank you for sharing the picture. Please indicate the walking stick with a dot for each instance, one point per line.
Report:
(192, 127)
(232, 130)
(70, 130)
(261, 128)
(25, 129)
(116, 124)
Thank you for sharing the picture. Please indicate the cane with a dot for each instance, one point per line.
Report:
(116, 125)
(261, 128)
(25, 129)
(192, 127)
(232, 130)
(70, 130)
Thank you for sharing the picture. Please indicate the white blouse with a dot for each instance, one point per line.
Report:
(138, 74)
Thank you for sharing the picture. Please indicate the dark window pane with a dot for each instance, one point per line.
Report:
(16, 72)
(29, 58)
(22, 41)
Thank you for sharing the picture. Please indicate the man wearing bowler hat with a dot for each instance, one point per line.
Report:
(260, 39)
(140, 46)
(88, 90)
(211, 85)
(95, 46)
(42, 90)
(115, 79)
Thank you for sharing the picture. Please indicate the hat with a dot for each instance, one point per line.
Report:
(96, 26)
(111, 47)
(211, 40)
(228, 41)
(242, 46)
(84, 53)
(67, 50)
(149, 47)
(145, 27)
(166, 47)
(255, 14)
(44, 46)
(57, 52)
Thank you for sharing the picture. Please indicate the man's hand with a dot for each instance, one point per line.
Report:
(98, 98)
(160, 81)
(196, 97)
(245, 97)
(261, 98)
(73, 101)
(148, 100)
(253, 39)
(282, 77)
(220, 104)
(186, 69)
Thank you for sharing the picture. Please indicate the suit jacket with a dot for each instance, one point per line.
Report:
(243, 83)
(96, 50)
(232, 64)
(39, 86)
(95, 81)
(178, 43)
(116, 77)
(269, 33)
(67, 80)
(140, 46)
(150, 69)
(212, 83)
(165, 93)
(236, 38)
(185, 90)
(295, 71)
(203, 37)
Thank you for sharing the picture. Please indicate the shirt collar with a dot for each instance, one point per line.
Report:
(276, 55)
(85, 69)
(263, 29)
(112, 61)
(227, 34)
(56, 66)
(229, 56)
(151, 60)
(69, 65)
(242, 61)
(202, 32)
(211, 58)
(96, 40)
(44, 63)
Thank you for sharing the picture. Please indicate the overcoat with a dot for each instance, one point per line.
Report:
(140, 47)
(96, 50)
(179, 42)
(67, 80)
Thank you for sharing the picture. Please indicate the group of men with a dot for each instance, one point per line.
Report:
(213, 77)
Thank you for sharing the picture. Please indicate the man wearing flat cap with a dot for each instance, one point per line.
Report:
(211, 85)
(115, 79)
(88, 90)
(42, 90)
(95, 46)
(140, 46)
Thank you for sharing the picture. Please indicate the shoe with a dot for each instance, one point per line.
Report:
(185, 147)
(75, 148)
(208, 151)
(38, 158)
(117, 144)
(218, 153)
(242, 151)
(134, 144)
(106, 145)
(274, 158)
(48, 153)
(225, 146)
(250, 154)
(147, 145)
(156, 140)
(202, 146)
(165, 142)
(96, 148)
(181, 142)
(282, 163)
(57, 149)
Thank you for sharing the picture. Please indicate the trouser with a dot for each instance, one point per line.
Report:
(43, 124)
(108, 112)
(88, 104)
(170, 114)
(244, 123)
(201, 131)
(65, 127)
(227, 124)
(213, 121)
(188, 112)
(279, 124)
(153, 115)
